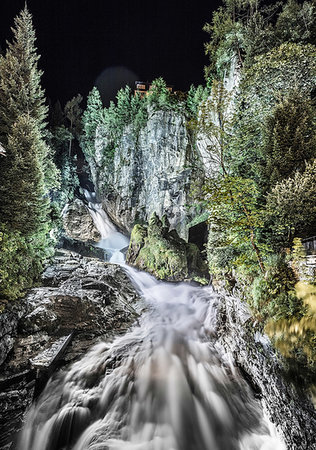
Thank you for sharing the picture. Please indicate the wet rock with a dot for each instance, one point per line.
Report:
(9, 319)
(92, 298)
(150, 173)
(292, 412)
(164, 254)
(83, 248)
(78, 223)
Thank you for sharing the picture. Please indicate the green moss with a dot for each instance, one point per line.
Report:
(163, 253)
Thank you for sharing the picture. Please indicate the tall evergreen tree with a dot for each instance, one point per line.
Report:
(27, 172)
(20, 78)
(92, 117)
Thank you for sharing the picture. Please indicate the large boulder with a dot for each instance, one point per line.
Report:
(78, 223)
(164, 254)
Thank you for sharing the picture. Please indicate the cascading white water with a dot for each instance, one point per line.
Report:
(164, 385)
(111, 240)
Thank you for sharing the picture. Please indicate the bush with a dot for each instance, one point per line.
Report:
(21, 261)
(273, 296)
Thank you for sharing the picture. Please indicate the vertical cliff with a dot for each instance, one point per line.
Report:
(151, 171)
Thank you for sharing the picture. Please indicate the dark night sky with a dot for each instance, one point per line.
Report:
(79, 39)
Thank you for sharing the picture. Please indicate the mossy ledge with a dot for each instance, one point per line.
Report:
(164, 254)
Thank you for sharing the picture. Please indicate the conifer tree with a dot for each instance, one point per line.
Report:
(22, 121)
(27, 172)
(92, 117)
(20, 77)
(22, 203)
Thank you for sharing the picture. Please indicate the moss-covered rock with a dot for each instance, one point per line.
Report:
(163, 253)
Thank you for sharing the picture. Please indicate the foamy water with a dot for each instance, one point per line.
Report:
(165, 385)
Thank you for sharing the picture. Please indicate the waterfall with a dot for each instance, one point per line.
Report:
(112, 241)
(165, 385)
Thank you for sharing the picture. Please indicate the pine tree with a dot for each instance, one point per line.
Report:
(27, 172)
(92, 117)
(20, 88)
(22, 203)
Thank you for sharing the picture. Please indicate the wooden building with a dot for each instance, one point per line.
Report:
(143, 88)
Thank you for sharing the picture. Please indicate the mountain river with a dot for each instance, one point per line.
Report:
(164, 385)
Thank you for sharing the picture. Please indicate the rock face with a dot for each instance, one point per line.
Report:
(293, 413)
(164, 254)
(78, 223)
(149, 174)
(82, 296)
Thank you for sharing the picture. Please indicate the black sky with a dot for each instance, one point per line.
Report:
(79, 39)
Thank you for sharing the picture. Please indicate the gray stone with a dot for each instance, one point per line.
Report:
(78, 223)
(150, 174)
(292, 412)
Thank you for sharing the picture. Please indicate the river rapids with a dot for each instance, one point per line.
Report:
(164, 385)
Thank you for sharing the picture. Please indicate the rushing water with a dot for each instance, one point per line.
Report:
(165, 385)
(111, 240)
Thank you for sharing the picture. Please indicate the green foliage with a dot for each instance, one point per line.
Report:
(287, 67)
(273, 295)
(260, 189)
(163, 253)
(73, 113)
(289, 138)
(291, 204)
(195, 97)
(295, 337)
(22, 203)
(92, 117)
(27, 173)
(21, 261)
(243, 30)
(297, 22)
(159, 96)
(20, 88)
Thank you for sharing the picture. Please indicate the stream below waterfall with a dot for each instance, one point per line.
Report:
(164, 385)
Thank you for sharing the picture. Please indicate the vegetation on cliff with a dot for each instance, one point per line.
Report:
(164, 254)
(261, 193)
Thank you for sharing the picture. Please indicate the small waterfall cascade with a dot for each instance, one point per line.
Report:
(112, 241)
(165, 385)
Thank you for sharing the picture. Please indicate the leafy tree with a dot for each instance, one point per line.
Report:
(291, 205)
(73, 114)
(239, 29)
(289, 138)
(297, 22)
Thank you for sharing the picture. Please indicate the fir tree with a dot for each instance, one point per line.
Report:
(20, 88)
(27, 172)
(23, 205)
(92, 117)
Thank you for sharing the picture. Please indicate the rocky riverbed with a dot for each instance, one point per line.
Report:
(81, 299)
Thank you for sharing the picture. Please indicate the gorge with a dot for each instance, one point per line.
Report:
(158, 249)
